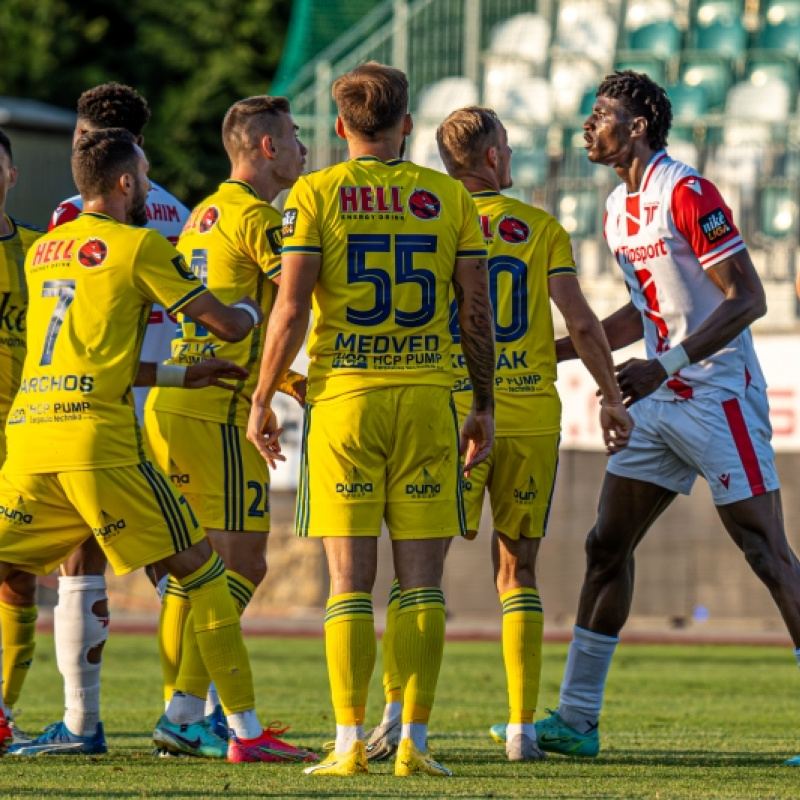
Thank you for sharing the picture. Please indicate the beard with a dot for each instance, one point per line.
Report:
(138, 211)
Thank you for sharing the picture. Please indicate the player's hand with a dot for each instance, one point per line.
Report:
(214, 372)
(264, 433)
(248, 301)
(617, 425)
(477, 438)
(299, 391)
(638, 378)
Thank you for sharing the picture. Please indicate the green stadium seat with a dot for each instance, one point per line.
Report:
(727, 39)
(763, 66)
(641, 62)
(784, 37)
(779, 211)
(778, 11)
(711, 72)
(662, 39)
(578, 211)
(709, 12)
(688, 102)
(587, 103)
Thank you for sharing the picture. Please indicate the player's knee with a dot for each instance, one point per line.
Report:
(258, 571)
(19, 589)
(602, 558)
(762, 560)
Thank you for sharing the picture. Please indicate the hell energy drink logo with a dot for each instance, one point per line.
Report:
(424, 204)
(92, 253)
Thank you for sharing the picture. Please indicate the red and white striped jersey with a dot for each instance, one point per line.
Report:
(167, 215)
(664, 237)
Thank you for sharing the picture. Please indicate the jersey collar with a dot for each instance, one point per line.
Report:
(650, 169)
(245, 185)
(486, 193)
(97, 215)
(393, 163)
(13, 223)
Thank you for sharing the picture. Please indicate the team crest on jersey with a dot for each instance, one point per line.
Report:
(289, 221)
(275, 239)
(424, 204)
(92, 253)
(715, 226)
(209, 219)
(513, 230)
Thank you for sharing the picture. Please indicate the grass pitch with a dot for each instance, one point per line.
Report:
(681, 722)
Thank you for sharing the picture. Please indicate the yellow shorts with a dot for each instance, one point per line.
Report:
(520, 475)
(134, 513)
(220, 472)
(387, 454)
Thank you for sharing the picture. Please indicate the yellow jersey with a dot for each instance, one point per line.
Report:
(232, 242)
(389, 234)
(13, 308)
(527, 247)
(91, 283)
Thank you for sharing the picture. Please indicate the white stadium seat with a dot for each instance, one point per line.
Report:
(585, 29)
(571, 78)
(524, 36)
(646, 12)
(437, 100)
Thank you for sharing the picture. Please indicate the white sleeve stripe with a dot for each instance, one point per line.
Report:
(722, 256)
(713, 253)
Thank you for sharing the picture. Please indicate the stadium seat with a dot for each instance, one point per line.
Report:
(710, 72)
(437, 100)
(727, 39)
(689, 103)
(584, 29)
(783, 37)
(778, 11)
(662, 39)
(768, 101)
(587, 102)
(531, 163)
(578, 211)
(779, 211)
(647, 12)
(528, 99)
(641, 62)
(523, 36)
(423, 149)
(763, 66)
(571, 78)
(709, 12)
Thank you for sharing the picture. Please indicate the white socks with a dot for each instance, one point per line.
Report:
(392, 711)
(185, 709)
(77, 631)
(524, 728)
(245, 725)
(418, 733)
(212, 699)
(588, 662)
(347, 736)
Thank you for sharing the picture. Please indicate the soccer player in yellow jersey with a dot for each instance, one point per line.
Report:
(76, 466)
(18, 609)
(530, 263)
(380, 243)
(232, 242)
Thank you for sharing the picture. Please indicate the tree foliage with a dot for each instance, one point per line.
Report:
(190, 58)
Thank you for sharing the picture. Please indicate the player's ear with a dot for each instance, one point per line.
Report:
(491, 157)
(408, 125)
(266, 147)
(639, 126)
(140, 141)
(13, 174)
(339, 128)
(126, 183)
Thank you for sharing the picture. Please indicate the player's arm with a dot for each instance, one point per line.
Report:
(293, 383)
(589, 341)
(208, 372)
(287, 328)
(475, 319)
(229, 323)
(622, 328)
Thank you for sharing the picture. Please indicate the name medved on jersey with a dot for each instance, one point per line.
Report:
(715, 226)
(354, 486)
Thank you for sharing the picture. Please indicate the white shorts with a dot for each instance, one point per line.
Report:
(722, 437)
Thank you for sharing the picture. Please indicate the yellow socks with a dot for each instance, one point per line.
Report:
(419, 645)
(193, 676)
(523, 624)
(391, 677)
(18, 625)
(175, 608)
(215, 621)
(350, 649)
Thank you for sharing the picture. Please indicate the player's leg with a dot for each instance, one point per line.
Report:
(424, 509)
(18, 613)
(341, 499)
(81, 628)
(627, 509)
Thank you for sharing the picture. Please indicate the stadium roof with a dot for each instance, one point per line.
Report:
(18, 112)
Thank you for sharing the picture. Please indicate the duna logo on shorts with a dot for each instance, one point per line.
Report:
(527, 492)
(354, 486)
(109, 527)
(424, 486)
(18, 515)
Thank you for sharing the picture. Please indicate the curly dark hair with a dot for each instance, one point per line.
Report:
(641, 96)
(114, 105)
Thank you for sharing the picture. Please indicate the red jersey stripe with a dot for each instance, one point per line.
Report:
(744, 445)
